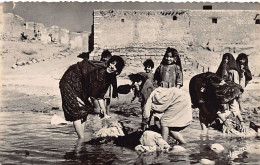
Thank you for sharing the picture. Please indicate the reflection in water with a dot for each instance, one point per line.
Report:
(88, 154)
(28, 138)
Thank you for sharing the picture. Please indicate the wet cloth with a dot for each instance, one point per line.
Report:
(152, 141)
(168, 76)
(81, 81)
(174, 103)
(234, 129)
(114, 129)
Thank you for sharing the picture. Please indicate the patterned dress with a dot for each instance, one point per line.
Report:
(168, 76)
(83, 80)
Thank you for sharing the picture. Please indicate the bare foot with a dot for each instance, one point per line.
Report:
(106, 117)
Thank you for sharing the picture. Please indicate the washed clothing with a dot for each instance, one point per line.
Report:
(168, 76)
(152, 141)
(83, 80)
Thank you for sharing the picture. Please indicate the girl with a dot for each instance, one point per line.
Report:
(244, 73)
(169, 73)
(82, 81)
(172, 103)
(228, 71)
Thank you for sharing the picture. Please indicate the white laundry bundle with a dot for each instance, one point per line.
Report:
(56, 120)
(152, 141)
(114, 129)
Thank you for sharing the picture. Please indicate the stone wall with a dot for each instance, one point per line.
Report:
(224, 26)
(122, 29)
(140, 34)
(14, 25)
(139, 31)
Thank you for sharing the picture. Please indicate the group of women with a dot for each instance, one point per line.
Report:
(159, 93)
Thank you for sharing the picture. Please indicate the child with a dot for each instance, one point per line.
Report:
(244, 74)
(148, 67)
(173, 104)
(169, 73)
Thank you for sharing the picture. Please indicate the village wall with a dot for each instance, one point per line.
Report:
(14, 26)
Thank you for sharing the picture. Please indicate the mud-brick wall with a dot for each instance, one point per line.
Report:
(64, 36)
(12, 25)
(232, 26)
(85, 41)
(75, 40)
(55, 32)
(139, 33)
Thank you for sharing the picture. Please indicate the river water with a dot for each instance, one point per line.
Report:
(27, 137)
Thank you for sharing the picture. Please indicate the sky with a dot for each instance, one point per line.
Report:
(77, 16)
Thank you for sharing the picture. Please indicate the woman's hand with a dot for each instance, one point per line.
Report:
(222, 82)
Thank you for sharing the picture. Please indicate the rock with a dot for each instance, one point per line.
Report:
(14, 67)
(29, 62)
(207, 161)
(34, 60)
(20, 63)
(55, 108)
(217, 148)
(178, 148)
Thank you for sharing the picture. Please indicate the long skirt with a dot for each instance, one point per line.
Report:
(74, 104)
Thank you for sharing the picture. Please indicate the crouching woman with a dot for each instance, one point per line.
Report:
(173, 104)
(85, 80)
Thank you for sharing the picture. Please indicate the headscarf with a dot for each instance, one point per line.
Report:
(247, 72)
(223, 67)
(174, 54)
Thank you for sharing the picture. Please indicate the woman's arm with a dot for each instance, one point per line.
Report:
(157, 75)
(179, 77)
(102, 105)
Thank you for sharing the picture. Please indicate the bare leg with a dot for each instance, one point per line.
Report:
(79, 128)
(239, 100)
(83, 125)
(204, 128)
(178, 136)
(165, 133)
(107, 102)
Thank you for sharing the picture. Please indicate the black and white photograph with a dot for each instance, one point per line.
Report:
(129, 83)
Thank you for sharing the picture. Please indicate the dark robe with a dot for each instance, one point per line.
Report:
(208, 95)
(81, 81)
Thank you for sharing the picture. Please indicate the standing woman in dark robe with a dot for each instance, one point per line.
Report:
(82, 81)
(244, 73)
(169, 72)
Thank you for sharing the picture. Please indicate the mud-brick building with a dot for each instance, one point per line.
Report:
(224, 27)
(139, 34)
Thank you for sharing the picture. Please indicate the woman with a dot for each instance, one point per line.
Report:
(172, 103)
(244, 73)
(82, 81)
(169, 72)
(228, 71)
(209, 93)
